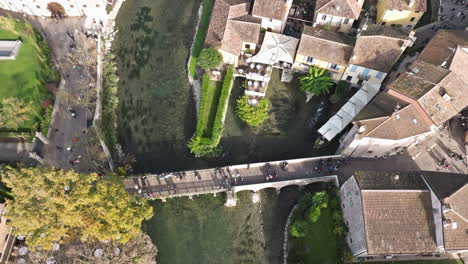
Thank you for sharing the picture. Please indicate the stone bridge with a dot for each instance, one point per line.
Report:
(232, 179)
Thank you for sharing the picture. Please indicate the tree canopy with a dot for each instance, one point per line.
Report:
(316, 81)
(52, 205)
(14, 112)
(252, 115)
(209, 58)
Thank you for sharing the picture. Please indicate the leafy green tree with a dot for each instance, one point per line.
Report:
(320, 199)
(14, 112)
(209, 58)
(203, 147)
(252, 115)
(298, 228)
(316, 81)
(52, 205)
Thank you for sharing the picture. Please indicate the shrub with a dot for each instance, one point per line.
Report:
(313, 214)
(209, 58)
(45, 122)
(298, 228)
(252, 115)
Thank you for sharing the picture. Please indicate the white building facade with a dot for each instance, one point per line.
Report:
(342, 23)
(356, 75)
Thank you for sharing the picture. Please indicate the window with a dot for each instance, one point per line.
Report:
(392, 25)
(324, 17)
(309, 59)
(353, 68)
(365, 72)
(330, 74)
(247, 46)
(379, 75)
(85, 6)
(346, 21)
(412, 19)
(383, 23)
(38, 7)
(350, 240)
(349, 78)
(343, 205)
(333, 66)
(360, 82)
(72, 6)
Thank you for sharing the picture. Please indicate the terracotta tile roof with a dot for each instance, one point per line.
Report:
(341, 8)
(325, 45)
(389, 180)
(418, 5)
(411, 85)
(383, 105)
(398, 222)
(239, 30)
(222, 11)
(378, 52)
(274, 9)
(406, 123)
(459, 63)
(455, 238)
(440, 108)
(441, 47)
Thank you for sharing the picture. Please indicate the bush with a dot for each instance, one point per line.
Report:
(252, 115)
(209, 58)
(110, 101)
(45, 122)
(313, 214)
(298, 228)
(341, 90)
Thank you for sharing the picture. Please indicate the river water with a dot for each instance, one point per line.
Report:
(157, 116)
(203, 230)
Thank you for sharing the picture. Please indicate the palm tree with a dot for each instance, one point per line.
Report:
(317, 81)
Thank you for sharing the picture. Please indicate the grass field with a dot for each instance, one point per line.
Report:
(25, 77)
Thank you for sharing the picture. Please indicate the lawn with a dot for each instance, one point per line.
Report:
(441, 261)
(211, 90)
(25, 77)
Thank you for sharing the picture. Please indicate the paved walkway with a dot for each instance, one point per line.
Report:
(220, 179)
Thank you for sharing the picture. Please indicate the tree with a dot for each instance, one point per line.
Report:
(316, 81)
(137, 250)
(252, 115)
(14, 112)
(298, 228)
(52, 205)
(209, 58)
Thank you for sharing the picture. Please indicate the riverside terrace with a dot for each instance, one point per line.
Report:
(254, 177)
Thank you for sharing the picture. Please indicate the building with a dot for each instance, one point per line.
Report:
(337, 14)
(9, 49)
(404, 13)
(273, 13)
(95, 9)
(232, 30)
(431, 92)
(386, 126)
(396, 214)
(325, 49)
(377, 49)
(437, 82)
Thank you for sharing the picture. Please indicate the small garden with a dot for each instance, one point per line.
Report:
(213, 106)
(26, 99)
(317, 230)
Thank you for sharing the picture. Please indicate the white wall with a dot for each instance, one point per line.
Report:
(351, 205)
(334, 21)
(355, 71)
(275, 25)
(90, 8)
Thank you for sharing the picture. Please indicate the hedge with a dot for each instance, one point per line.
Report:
(203, 105)
(200, 37)
(209, 146)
